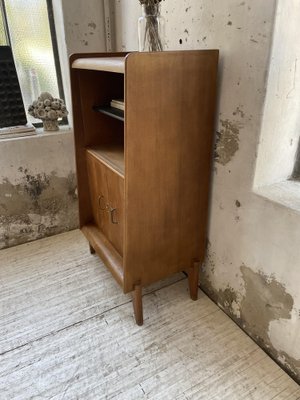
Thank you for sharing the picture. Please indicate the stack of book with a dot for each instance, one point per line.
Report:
(119, 104)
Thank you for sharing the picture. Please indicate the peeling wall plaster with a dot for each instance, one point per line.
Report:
(265, 300)
(37, 206)
(252, 267)
(261, 306)
(37, 188)
(227, 141)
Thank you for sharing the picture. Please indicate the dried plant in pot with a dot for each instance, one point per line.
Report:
(49, 110)
(151, 26)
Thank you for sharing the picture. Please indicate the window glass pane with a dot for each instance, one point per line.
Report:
(32, 47)
(2, 30)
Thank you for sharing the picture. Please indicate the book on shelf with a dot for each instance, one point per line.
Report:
(118, 103)
(17, 131)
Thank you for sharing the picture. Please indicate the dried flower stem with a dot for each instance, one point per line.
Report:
(149, 2)
(152, 37)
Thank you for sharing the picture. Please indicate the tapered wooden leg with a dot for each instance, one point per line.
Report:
(92, 250)
(138, 304)
(193, 277)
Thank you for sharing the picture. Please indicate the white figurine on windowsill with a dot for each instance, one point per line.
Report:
(49, 110)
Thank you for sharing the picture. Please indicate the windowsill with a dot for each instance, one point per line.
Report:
(39, 134)
(286, 193)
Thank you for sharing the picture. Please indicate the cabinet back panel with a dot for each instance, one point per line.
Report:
(170, 103)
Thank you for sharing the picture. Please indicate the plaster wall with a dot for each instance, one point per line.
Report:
(79, 28)
(84, 26)
(252, 266)
(37, 187)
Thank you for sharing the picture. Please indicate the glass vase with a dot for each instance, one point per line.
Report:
(151, 29)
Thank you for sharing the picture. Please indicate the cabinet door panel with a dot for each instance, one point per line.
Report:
(107, 197)
(98, 193)
(116, 209)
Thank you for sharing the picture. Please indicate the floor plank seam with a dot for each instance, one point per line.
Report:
(65, 328)
(69, 338)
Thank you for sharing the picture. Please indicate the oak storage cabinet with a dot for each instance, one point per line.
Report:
(143, 179)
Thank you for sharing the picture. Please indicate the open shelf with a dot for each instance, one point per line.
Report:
(111, 111)
(109, 64)
(111, 155)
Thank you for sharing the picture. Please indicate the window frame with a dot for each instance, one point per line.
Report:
(296, 170)
(49, 4)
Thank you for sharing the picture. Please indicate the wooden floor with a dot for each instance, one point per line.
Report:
(67, 332)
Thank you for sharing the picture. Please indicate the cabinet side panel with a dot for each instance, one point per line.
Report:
(170, 103)
(85, 209)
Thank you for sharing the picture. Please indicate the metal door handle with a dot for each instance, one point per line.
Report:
(112, 215)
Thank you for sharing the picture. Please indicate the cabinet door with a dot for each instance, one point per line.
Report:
(107, 198)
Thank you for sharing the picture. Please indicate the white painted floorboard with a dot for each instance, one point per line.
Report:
(67, 332)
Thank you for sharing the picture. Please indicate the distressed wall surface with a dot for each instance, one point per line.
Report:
(252, 268)
(84, 25)
(37, 188)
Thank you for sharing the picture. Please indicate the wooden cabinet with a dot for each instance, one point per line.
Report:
(143, 175)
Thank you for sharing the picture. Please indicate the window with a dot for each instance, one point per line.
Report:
(28, 27)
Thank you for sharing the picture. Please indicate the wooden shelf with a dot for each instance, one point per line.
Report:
(110, 155)
(109, 64)
(111, 111)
